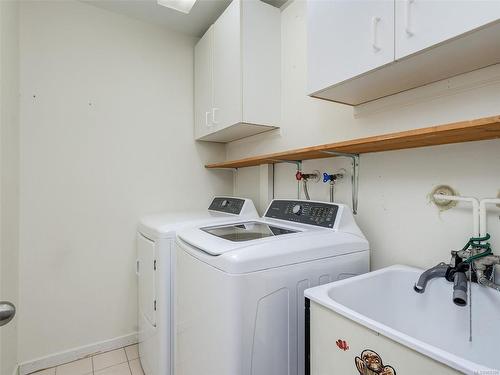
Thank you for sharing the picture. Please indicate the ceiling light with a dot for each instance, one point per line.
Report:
(183, 6)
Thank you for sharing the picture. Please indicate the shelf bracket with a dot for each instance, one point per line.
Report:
(354, 175)
(298, 163)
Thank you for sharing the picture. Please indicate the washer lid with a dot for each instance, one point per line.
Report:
(288, 237)
(235, 235)
(247, 231)
(268, 252)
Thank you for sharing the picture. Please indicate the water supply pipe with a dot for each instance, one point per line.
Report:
(483, 225)
(306, 177)
(482, 213)
(332, 179)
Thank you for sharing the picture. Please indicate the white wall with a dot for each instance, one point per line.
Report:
(106, 136)
(9, 175)
(394, 211)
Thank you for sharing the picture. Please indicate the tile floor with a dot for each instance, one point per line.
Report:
(124, 361)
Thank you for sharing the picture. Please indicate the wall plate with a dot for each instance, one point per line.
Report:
(442, 203)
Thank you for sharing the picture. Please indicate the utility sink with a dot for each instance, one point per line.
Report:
(429, 326)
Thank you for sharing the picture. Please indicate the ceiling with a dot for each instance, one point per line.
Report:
(203, 14)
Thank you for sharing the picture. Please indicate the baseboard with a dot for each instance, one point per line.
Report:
(76, 353)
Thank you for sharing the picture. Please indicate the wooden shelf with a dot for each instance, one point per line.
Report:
(464, 131)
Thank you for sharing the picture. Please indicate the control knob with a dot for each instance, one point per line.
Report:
(224, 203)
(297, 209)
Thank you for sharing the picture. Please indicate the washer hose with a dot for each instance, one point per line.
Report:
(306, 192)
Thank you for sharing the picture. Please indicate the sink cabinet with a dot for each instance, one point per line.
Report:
(237, 73)
(377, 320)
(340, 346)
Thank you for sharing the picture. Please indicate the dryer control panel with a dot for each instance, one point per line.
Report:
(227, 204)
(305, 212)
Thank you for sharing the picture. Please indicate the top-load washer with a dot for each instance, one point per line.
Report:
(240, 301)
(155, 271)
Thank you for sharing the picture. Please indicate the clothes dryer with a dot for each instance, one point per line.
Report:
(155, 272)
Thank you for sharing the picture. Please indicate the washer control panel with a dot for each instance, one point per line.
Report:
(313, 213)
(227, 204)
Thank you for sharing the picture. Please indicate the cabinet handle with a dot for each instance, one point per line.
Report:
(375, 22)
(206, 118)
(408, 30)
(214, 110)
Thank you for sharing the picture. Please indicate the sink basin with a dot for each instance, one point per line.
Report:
(429, 323)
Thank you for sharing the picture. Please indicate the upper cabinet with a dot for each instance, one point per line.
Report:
(237, 73)
(347, 38)
(203, 62)
(421, 24)
(359, 51)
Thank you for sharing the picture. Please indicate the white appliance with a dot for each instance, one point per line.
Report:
(155, 271)
(240, 301)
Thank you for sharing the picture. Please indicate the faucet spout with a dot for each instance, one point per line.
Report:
(437, 271)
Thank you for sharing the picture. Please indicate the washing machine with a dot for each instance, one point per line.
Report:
(240, 302)
(155, 272)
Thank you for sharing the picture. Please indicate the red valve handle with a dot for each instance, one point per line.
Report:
(298, 175)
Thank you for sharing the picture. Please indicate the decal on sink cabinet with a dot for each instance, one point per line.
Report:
(370, 363)
(375, 353)
(342, 345)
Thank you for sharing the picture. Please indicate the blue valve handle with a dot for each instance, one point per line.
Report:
(327, 177)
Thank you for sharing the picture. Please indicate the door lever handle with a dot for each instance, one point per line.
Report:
(7, 312)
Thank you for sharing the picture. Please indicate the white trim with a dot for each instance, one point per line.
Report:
(76, 353)
(16, 370)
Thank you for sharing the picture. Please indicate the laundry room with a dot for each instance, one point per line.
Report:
(247, 187)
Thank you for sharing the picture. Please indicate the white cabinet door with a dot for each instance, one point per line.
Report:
(203, 88)
(227, 68)
(423, 23)
(347, 38)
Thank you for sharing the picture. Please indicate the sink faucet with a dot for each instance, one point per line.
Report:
(475, 259)
(454, 272)
(439, 270)
(474, 263)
